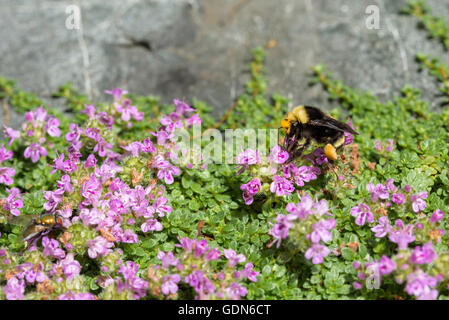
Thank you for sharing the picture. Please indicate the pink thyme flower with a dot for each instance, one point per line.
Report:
(13, 202)
(386, 265)
(398, 198)
(182, 107)
(89, 109)
(317, 252)
(378, 145)
(90, 161)
(70, 295)
(383, 228)
(248, 157)
(213, 254)
(151, 225)
(390, 185)
(98, 246)
(160, 207)
(134, 148)
(102, 147)
(419, 204)
(167, 259)
(162, 136)
(193, 120)
(249, 273)
(389, 145)
(12, 135)
(53, 199)
(235, 291)
(362, 213)
(420, 285)
(93, 133)
(129, 237)
(250, 189)
(282, 227)
(35, 151)
(233, 257)
(51, 248)
(116, 93)
(52, 127)
(147, 146)
(14, 289)
(167, 173)
(91, 216)
(423, 255)
(65, 184)
(6, 175)
(348, 138)
(281, 186)
(378, 191)
(403, 235)
(71, 267)
(321, 230)
(128, 111)
(305, 174)
(278, 155)
(201, 284)
(437, 216)
(91, 189)
(5, 154)
(301, 209)
(170, 284)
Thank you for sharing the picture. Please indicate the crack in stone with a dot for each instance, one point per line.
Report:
(85, 54)
(136, 43)
(397, 38)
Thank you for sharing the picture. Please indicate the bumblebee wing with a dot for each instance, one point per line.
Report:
(22, 220)
(333, 124)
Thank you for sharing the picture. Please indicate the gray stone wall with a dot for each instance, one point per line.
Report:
(201, 48)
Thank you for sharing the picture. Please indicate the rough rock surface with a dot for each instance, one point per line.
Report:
(201, 48)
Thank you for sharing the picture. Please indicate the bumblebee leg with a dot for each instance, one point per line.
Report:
(331, 148)
(330, 152)
(298, 152)
(292, 137)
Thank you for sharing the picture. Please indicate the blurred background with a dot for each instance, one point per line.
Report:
(201, 48)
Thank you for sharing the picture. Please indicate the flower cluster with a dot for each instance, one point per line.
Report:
(192, 266)
(308, 226)
(95, 203)
(273, 173)
(386, 196)
(38, 128)
(6, 173)
(12, 203)
(384, 147)
(419, 267)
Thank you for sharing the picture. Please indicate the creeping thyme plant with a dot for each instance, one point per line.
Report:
(139, 218)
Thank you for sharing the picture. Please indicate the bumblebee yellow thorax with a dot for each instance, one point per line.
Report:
(300, 114)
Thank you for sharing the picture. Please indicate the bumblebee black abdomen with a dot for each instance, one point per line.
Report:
(305, 124)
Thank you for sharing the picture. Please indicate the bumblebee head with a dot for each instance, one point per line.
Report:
(286, 124)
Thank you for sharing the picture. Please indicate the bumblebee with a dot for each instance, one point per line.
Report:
(305, 124)
(38, 226)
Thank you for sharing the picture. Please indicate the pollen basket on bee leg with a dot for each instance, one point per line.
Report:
(330, 152)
